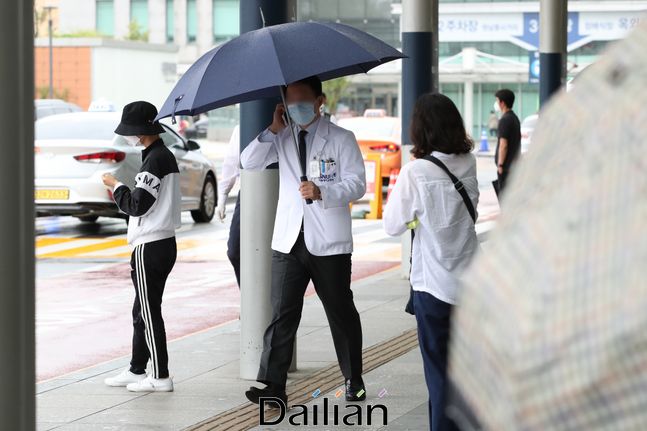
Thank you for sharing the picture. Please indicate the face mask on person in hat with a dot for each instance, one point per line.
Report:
(133, 141)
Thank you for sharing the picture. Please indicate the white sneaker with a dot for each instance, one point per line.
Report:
(124, 378)
(150, 384)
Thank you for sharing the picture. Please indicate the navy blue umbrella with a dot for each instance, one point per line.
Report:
(255, 64)
(259, 63)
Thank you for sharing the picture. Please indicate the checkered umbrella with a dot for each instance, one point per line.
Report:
(551, 330)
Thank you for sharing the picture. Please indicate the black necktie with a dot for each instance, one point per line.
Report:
(302, 151)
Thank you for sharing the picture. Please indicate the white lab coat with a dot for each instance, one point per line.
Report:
(327, 222)
(230, 170)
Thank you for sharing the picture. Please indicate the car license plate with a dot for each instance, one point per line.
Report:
(52, 194)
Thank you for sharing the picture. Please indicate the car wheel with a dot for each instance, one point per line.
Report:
(207, 202)
(88, 219)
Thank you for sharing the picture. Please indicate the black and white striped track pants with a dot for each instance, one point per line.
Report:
(150, 264)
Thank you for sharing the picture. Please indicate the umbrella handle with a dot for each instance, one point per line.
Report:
(303, 180)
(177, 101)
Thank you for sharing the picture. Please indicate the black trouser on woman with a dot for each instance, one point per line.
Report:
(331, 276)
(434, 322)
(150, 264)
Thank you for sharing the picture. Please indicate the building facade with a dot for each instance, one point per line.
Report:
(484, 45)
(195, 26)
(89, 69)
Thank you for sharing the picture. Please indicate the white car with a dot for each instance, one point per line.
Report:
(46, 107)
(74, 150)
(527, 128)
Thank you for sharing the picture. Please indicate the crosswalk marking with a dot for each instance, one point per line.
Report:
(191, 245)
(47, 241)
(370, 243)
(77, 249)
(60, 246)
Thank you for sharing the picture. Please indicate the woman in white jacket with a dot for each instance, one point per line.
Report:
(426, 200)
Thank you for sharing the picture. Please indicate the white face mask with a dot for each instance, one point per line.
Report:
(497, 107)
(133, 141)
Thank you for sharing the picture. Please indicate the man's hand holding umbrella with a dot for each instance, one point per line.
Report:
(309, 190)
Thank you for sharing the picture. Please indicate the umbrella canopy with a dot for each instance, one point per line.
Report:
(551, 329)
(255, 64)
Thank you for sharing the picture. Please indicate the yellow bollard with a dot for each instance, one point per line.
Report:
(373, 164)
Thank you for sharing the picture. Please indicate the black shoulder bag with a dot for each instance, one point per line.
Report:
(460, 188)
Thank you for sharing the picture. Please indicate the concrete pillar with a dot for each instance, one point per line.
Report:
(468, 107)
(419, 73)
(553, 20)
(157, 21)
(17, 351)
(205, 25)
(259, 196)
(435, 71)
(258, 199)
(469, 63)
(480, 111)
(518, 101)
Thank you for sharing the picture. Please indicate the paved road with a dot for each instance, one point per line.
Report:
(84, 292)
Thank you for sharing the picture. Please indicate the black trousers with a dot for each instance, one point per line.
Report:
(233, 243)
(291, 274)
(150, 264)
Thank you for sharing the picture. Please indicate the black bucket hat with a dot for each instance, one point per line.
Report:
(138, 118)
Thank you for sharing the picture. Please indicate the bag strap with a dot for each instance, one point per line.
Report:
(409, 307)
(458, 185)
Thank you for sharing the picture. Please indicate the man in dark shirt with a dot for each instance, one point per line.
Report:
(508, 137)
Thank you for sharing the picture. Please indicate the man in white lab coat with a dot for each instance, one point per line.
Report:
(311, 241)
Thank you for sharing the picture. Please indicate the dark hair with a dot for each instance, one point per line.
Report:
(313, 82)
(506, 96)
(436, 125)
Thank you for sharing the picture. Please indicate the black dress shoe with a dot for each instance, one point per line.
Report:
(271, 391)
(355, 390)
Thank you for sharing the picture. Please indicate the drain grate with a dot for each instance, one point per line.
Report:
(245, 416)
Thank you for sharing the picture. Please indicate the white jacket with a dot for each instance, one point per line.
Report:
(154, 204)
(230, 170)
(445, 240)
(327, 222)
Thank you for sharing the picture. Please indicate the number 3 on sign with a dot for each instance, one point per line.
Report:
(533, 26)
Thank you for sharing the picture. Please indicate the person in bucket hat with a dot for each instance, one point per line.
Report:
(154, 207)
